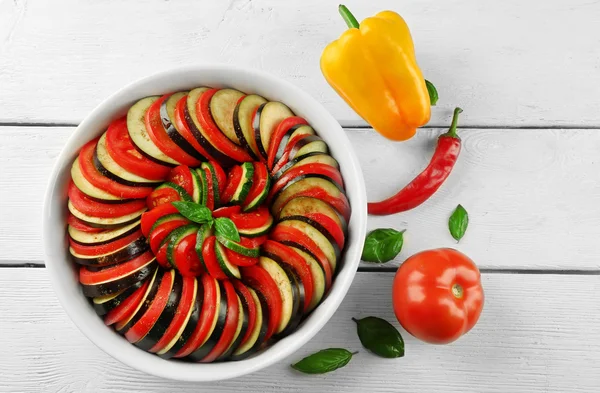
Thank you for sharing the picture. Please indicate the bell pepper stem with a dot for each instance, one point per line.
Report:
(452, 131)
(348, 17)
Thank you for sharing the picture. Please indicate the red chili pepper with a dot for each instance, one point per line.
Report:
(427, 182)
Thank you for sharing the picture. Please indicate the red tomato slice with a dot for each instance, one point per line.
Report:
(89, 171)
(259, 181)
(163, 230)
(284, 254)
(207, 316)
(123, 152)
(81, 226)
(186, 259)
(104, 248)
(214, 134)
(188, 297)
(254, 219)
(246, 298)
(258, 278)
(150, 217)
(93, 208)
(286, 153)
(158, 134)
(127, 306)
(288, 235)
(183, 128)
(330, 225)
(210, 198)
(89, 277)
(231, 322)
(226, 211)
(182, 176)
(233, 180)
(210, 259)
(221, 176)
(278, 134)
(315, 168)
(141, 328)
(161, 197)
(161, 256)
(239, 259)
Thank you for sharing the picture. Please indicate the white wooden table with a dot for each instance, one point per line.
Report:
(527, 74)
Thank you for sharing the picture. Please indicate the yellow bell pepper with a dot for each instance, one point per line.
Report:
(374, 69)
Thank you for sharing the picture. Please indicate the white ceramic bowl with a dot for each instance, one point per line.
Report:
(64, 276)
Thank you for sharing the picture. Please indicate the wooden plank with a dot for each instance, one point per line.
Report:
(513, 225)
(530, 339)
(509, 63)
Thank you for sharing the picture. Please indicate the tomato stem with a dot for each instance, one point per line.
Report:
(457, 291)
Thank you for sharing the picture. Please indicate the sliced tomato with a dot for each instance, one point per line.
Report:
(127, 306)
(186, 259)
(278, 134)
(210, 198)
(231, 322)
(182, 176)
(283, 254)
(93, 208)
(161, 197)
(161, 256)
(330, 226)
(210, 259)
(183, 128)
(226, 211)
(233, 180)
(239, 259)
(182, 314)
(104, 248)
(309, 169)
(209, 308)
(253, 219)
(82, 226)
(92, 175)
(248, 300)
(141, 328)
(89, 277)
(260, 280)
(214, 134)
(221, 176)
(150, 217)
(158, 134)
(294, 237)
(122, 150)
(259, 181)
(160, 233)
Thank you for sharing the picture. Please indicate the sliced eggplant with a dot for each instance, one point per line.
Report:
(329, 247)
(298, 298)
(88, 188)
(136, 126)
(221, 106)
(299, 129)
(309, 158)
(124, 253)
(155, 279)
(271, 115)
(167, 114)
(285, 289)
(308, 144)
(240, 331)
(299, 178)
(255, 341)
(103, 304)
(243, 116)
(98, 238)
(98, 222)
(318, 277)
(305, 206)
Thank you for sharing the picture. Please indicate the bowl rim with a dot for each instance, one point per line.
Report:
(179, 370)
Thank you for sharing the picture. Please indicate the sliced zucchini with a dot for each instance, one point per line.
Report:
(203, 192)
(228, 268)
(98, 222)
(243, 188)
(182, 193)
(242, 123)
(285, 289)
(237, 247)
(136, 125)
(175, 237)
(208, 167)
(104, 236)
(204, 233)
(197, 185)
(222, 105)
(88, 188)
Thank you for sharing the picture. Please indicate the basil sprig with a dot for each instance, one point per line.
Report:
(458, 222)
(324, 361)
(380, 337)
(202, 215)
(382, 245)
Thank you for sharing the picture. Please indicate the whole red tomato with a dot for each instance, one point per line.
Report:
(437, 295)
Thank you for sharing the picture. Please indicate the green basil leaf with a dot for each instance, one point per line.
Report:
(324, 361)
(382, 245)
(458, 222)
(193, 211)
(380, 337)
(433, 93)
(225, 227)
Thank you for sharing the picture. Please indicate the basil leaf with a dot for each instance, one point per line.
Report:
(458, 222)
(226, 228)
(380, 337)
(324, 361)
(193, 211)
(382, 245)
(433, 93)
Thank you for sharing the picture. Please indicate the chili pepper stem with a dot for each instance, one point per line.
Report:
(348, 17)
(452, 131)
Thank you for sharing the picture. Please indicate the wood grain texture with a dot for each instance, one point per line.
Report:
(509, 63)
(533, 196)
(530, 338)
